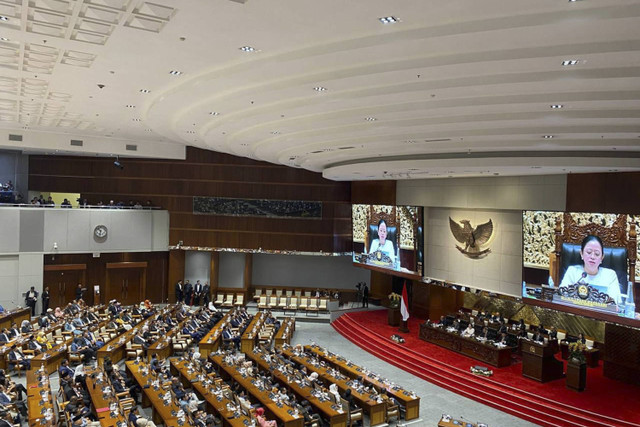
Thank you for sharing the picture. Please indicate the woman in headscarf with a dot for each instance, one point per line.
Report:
(58, 313)
(262, 421)
(333, 389)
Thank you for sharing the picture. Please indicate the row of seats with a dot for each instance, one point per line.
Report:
(294, 303)
(289, 293)
(231, 300)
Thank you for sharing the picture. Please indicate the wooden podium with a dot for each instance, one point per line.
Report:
(538, 362)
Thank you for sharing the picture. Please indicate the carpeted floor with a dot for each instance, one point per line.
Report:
(602, 395)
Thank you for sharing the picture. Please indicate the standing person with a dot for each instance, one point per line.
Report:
(188, 292)
(206, 290)
(197, 291)
(45, 300)
(365, 296)
(32, 297)
(179, 291)
(79, 292)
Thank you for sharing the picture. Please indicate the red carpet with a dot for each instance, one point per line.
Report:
(604, 402)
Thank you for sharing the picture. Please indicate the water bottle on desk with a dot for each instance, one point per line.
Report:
(630, 305)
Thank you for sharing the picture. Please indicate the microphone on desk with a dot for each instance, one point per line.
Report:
(582, 277)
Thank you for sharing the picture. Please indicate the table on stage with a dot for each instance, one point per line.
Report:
(376, 410)
(591, 354)
(163, 413)
(455, 423)
(283, 414)
(410, 402)
(539, 363)
(327, 409)
(216, 402)
(471, 347)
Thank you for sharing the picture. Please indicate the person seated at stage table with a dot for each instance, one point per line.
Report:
(497, 317)
(469, 332)
(581, 339)
(542, 330)
(604, 279)
(503, 339)
(484, 334)
(553, 333)
(502, 329)
(442, 321)
(523, 334)
(455, 325)
(522, 325)
(537, 337)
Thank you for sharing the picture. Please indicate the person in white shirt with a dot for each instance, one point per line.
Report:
(469, 332)
(381, 243)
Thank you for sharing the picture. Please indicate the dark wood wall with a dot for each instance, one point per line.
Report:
(96, 271)
(604, 192)
(172, 184)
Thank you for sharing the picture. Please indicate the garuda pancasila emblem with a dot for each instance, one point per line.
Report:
(472, 239)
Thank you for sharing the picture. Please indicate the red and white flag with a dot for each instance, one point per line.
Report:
(404, 303)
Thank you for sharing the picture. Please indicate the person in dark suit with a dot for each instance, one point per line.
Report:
(31, 298)
(64, 369)
(581, 339)
(553, 333)
(45, 300)
(17, 358)
(365, 295)
(542, 330)
(79, 292)
(206, 294)
(197, 292)
(4, 335)
(179, 291)
(188, 292)
(538, 337)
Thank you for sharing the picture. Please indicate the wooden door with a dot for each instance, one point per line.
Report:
(62, 281)
(126, 282)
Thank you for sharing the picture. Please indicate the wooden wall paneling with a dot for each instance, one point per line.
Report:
(604, 192)
(380, 286)
(622, 358)
(373, 192)
(214, 274)
(442, 301)
(420, 302)
(176, 272)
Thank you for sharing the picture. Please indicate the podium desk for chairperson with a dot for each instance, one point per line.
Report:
(284, 414)
(456, 423)
(329, 410)
(102, 401)
(214, 402)
(16, 315)
(376, 410)
(163, 413)
(410, 402)
(39, 399)
(538, 362)
(211, 341)
(591, 354)
(471, 347)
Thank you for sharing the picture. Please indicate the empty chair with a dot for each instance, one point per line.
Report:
(323, 305)
(307, 294)
(589, 343)
(352, 416)
(289, 293)
(278, 293)
(273, 301)
(134, 350)
(283, 303)
(293, 305)
(257, 294)
(304, 302)
(262, 304)
(219, 299)
(298, 293)
(393, 411)
(239, 300)
(229, 301)
(561, 336)
(313, 306)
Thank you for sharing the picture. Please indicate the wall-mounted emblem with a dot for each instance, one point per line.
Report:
(472, 238)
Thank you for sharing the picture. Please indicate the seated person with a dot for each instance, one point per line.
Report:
(604, 279)
(26, 327)
(136, 420)
(262, 421)
(503, 339)
(381, 243)
(484, 334)
(542, 330)
(17, 358)
(469, 332)
(581, 339)
(456, 325)
(5, 336)
(553, 333)
(537, 336)
(7, 399)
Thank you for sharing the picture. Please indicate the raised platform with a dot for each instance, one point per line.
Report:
(604, 402)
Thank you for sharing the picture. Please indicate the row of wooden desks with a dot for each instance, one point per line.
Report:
(211, 341)
(409, 400)
(215, 398)
(329, 410)
(488, 353)
(376, 410)
(116, 347)
(16, 315)
(285, 415)
(162, 347)
(285, 332)
(40, 399)
(104, 400)
(250, 335)
(164, 411)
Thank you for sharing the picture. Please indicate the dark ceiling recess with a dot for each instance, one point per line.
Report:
(132, 147)
(13, 137)
(77, 142)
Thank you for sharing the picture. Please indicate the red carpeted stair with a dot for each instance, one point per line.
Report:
(604, 403)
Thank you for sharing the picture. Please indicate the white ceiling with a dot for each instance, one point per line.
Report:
(456, 87)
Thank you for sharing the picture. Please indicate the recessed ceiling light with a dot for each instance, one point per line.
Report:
(148, 130)
(275, 132)
(567, 62)
(247, 49)
(214, 113)
(319, 89)
(388, 20)
(136, 120)
(370, 119)
(145, 90)
(557, 106)
(4, 39)
(191, 131)
(175, 72)
(3, 18)
(130, 106)
(573, 1)
(547, 136)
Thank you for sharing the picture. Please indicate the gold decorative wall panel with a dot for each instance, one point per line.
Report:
(406, 216)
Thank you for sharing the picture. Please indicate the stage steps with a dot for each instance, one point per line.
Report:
(508, 399)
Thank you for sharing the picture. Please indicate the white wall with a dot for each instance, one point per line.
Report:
(197, 266)
(71, 230)
(231, 274)
(17, 274)
(307, 271)
(500, 199)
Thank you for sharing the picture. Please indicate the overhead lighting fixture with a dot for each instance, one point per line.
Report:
(145, 90)
(3, 18)
(319, 89)
(547, 136)
(370, 119)
(191, 131)
(557, 106)
(388, 20)
(247, 49)
(214, 113)
(275, 132)
(175, 72)
(136, 120)
(573, 1)
(148, 130)
(568, 62)
(130, 106)
(4, 39)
